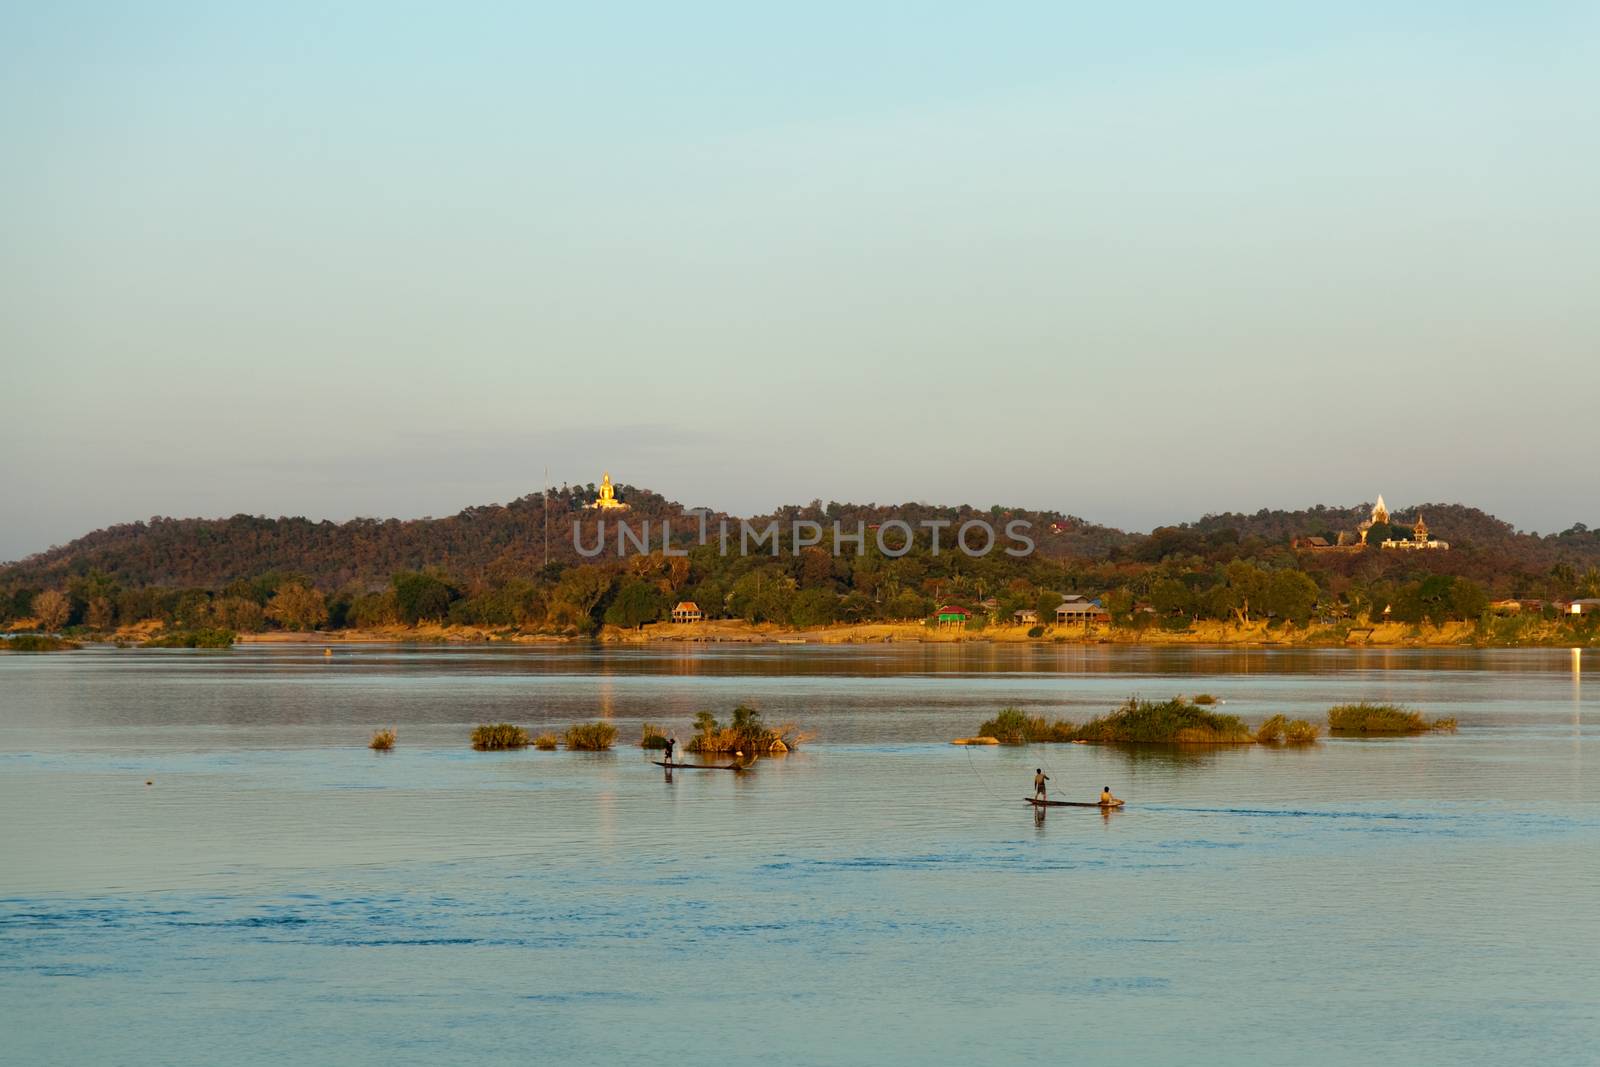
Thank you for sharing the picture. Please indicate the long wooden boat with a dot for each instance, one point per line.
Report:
(1072, 804)
(697, 766)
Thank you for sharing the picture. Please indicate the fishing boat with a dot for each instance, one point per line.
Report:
(1072, 804)
(697, 766)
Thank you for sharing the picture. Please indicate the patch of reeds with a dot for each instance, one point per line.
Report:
(1014, 727)
(1365, 718)
(1301, 732)
(746, 733)
(493, 737)
(1171, 722)
(546, 742)
(1280, 730)
(1175, 721)
(382, 740)
(37, 643)
(591, 736)
(193, 639)
(1204, 699)
(652, 737)
(1271, 731)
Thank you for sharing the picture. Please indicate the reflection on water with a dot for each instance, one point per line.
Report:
(282, 894)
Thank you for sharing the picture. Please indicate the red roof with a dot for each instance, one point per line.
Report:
(687, 605)
(952, 609)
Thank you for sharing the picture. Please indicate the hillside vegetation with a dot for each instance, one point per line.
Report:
(485, 568)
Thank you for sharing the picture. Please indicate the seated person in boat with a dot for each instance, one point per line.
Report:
(1039, 779)
(1106, 797)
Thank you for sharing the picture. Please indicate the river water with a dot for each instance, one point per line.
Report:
(278, 893)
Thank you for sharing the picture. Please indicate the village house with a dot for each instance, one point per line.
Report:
(686, 611)
(953, 615)
(1025, 617)
(1080, 610)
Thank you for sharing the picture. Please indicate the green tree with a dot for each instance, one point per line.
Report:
(1119, 605)
(636, 603)
(579, 593)
(296, 607)
(1468, 600)
(519, 602)
(1436, 594)
(1045, 605)
(711, 598)
(1407, 604)
(1171, 597)
(369, 610)
(192, 609)
(763, 595)
(1291, 595)
(1246, 588)
(814, 607)
(420, 595)
(907, 605)
(237, 613)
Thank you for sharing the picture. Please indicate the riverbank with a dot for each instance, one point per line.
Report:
(1514, 633)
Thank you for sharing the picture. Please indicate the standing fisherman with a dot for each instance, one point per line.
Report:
(1039, 779)
(672, 743)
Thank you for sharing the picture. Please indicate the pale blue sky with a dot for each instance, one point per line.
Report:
(1136, 262)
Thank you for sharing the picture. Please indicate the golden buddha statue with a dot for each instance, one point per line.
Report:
(607, 500)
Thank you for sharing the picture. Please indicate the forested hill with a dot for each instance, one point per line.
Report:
(1463, 523)
(497, 542)
(493, 542)
(1465, 528)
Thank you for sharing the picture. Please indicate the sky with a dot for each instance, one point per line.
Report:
(1135, 262)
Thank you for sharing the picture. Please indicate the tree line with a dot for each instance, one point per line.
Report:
(810, 589)
(487, 567)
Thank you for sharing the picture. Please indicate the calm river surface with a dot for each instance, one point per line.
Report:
(281, 894)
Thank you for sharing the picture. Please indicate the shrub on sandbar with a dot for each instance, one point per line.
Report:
(491, 737)
(1012, 727)
(747, 733)
(1365, 718)
(1301, 732)
(1278, 730)
(1172, 721)
(591, 736)
(36, 643)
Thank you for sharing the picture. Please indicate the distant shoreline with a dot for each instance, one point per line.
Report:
(738, 632)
